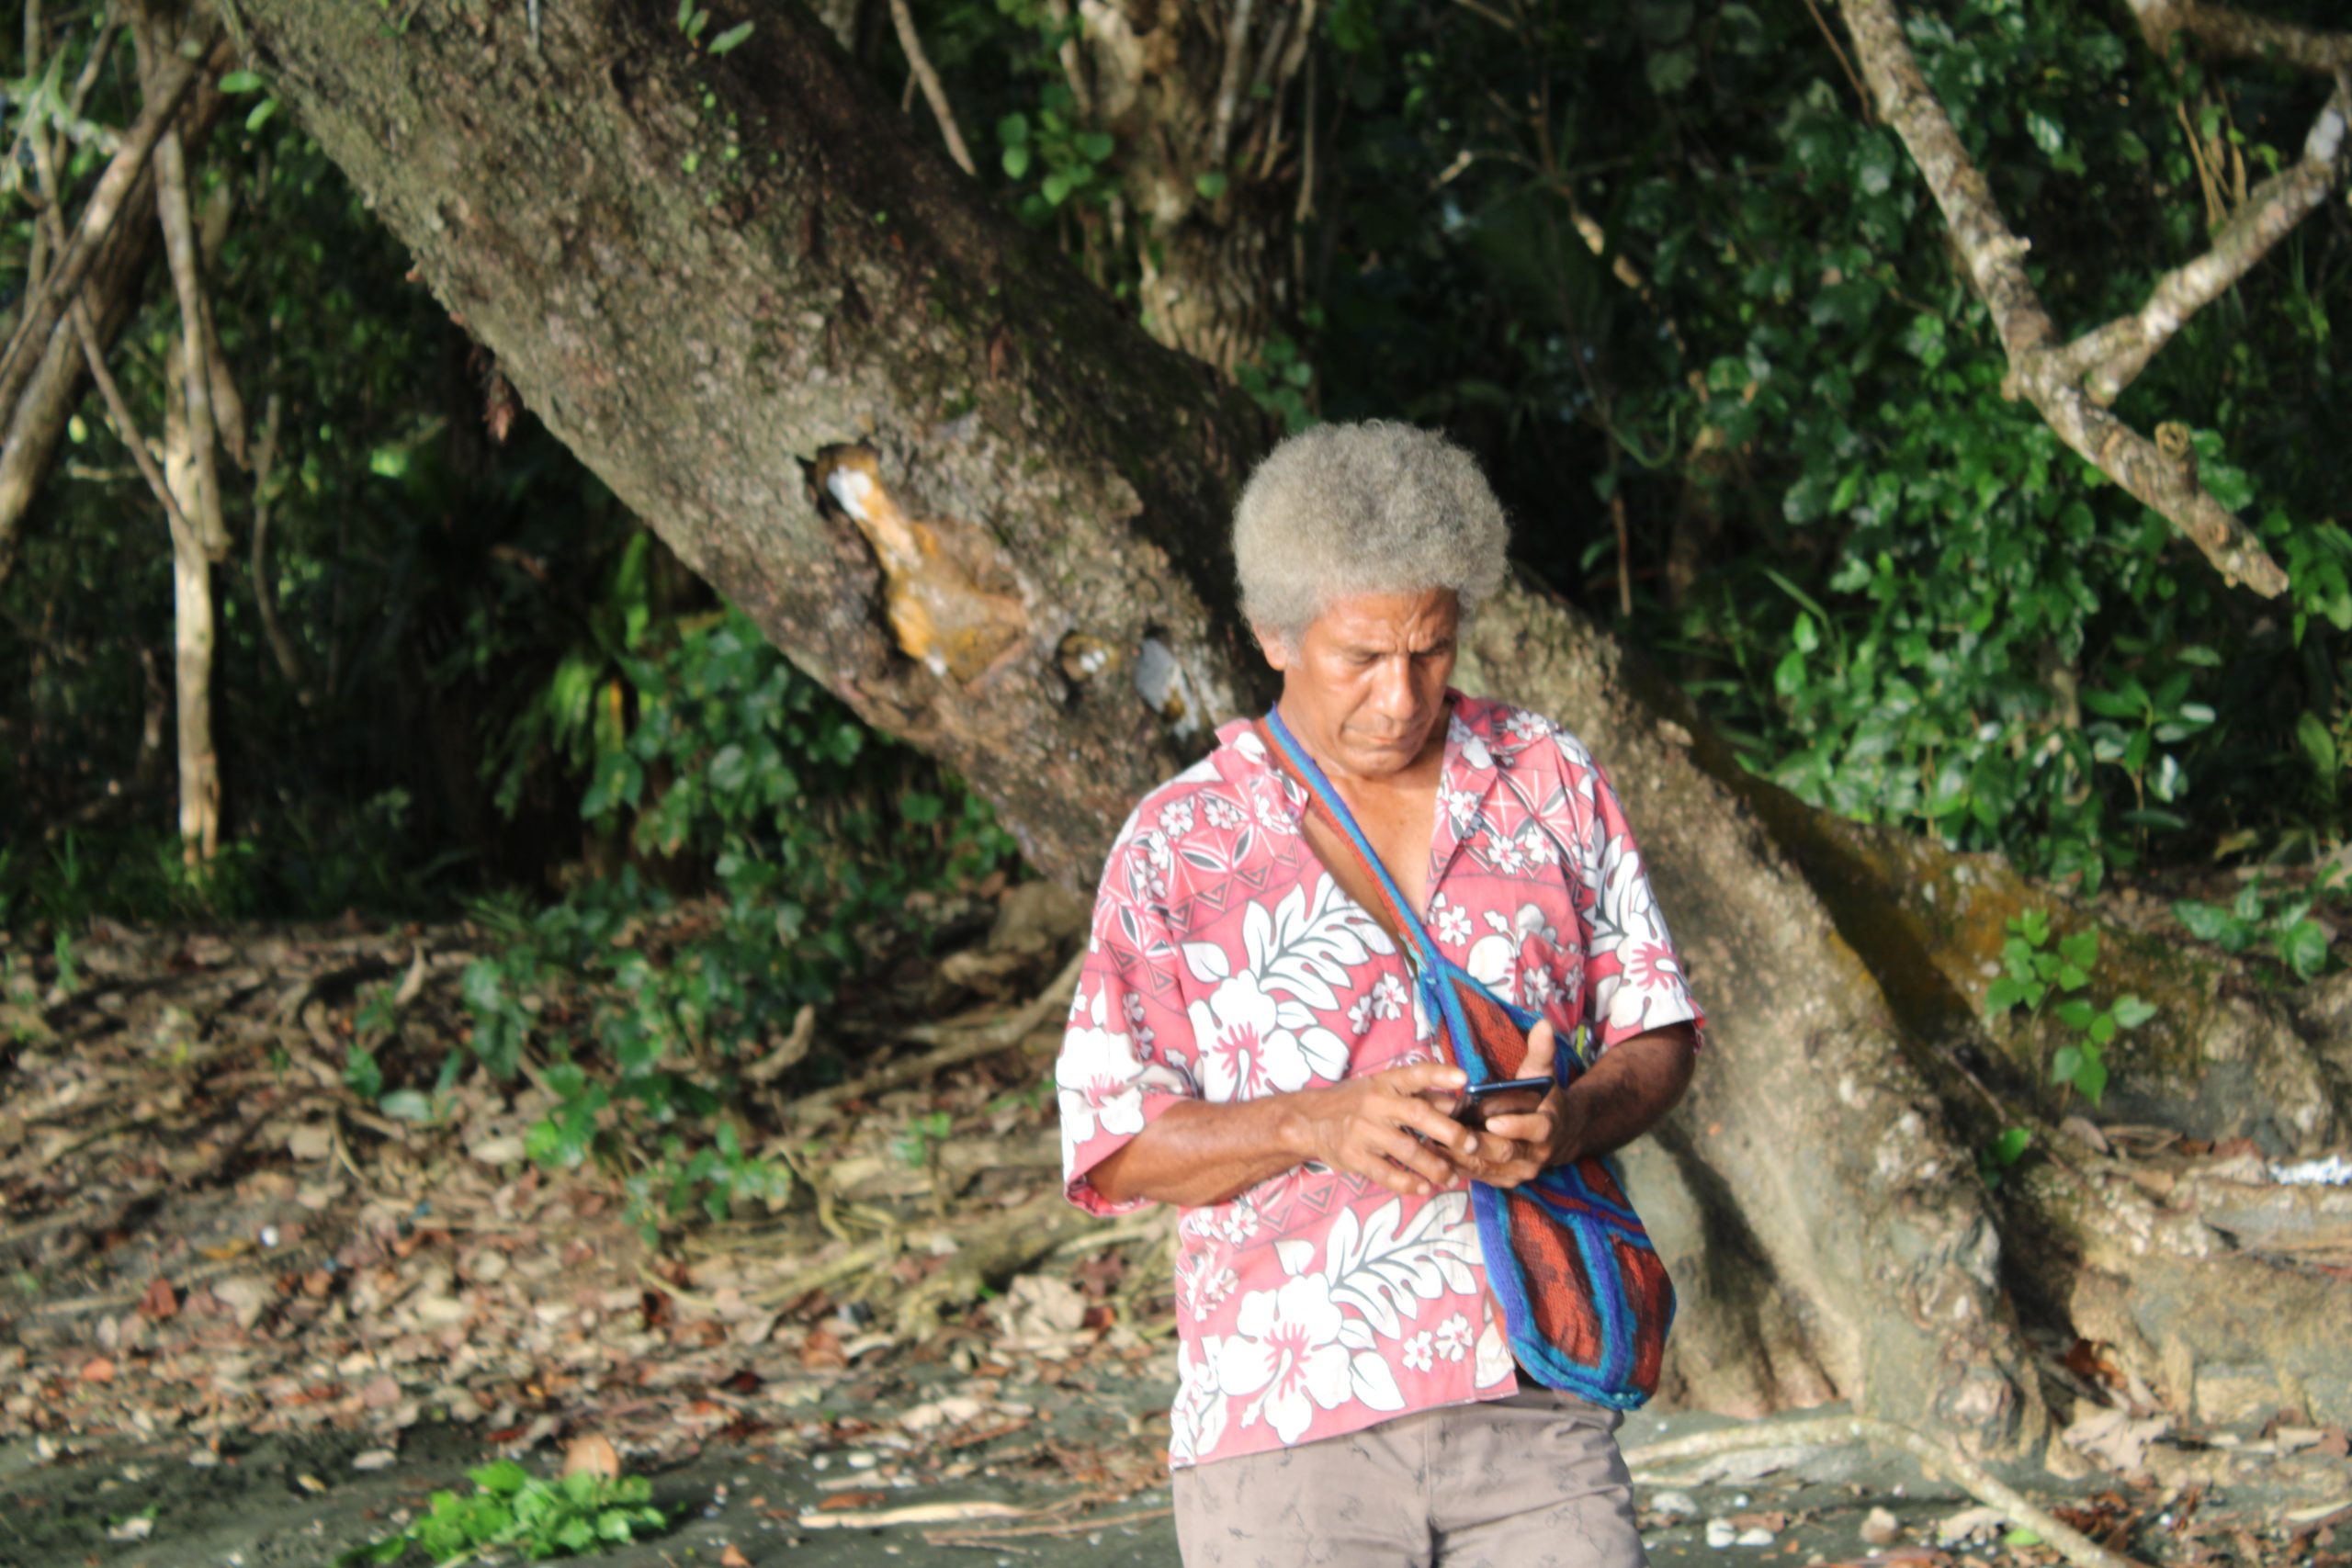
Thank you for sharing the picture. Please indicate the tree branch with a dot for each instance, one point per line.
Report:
(26, 344)
(920, 63)
(1993, 256)
(2108, 359)
(2225, 31)
(172, 206)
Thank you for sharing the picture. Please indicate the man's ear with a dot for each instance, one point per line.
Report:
(1279, 653)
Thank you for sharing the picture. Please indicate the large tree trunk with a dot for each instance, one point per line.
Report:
(1018, 562)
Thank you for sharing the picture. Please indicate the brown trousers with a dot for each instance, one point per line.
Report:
(1535, 1481)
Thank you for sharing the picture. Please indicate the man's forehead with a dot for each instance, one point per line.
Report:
(1391, 622)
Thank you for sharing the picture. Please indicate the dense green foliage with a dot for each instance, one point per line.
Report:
(512, 1510)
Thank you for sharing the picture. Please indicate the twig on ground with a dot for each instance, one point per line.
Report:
(1057, 1528)
(1837, 1431)
(985, 1041)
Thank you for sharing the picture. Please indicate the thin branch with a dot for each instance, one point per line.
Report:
(1838, 1430)
(1993, 257)
(289, 658)
(42, 312)
(1228, 86)
(126, 426)
(1844, 65)
(2222, 30)
(920, 63)
(2109, 359)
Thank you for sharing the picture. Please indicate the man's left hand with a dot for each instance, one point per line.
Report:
(1517, 1147)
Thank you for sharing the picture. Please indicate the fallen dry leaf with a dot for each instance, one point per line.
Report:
(729, 1557)
(593, 1454)
(98, 1369)
(840, 1500)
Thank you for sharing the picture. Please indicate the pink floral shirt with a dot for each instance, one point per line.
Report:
(1226, 963)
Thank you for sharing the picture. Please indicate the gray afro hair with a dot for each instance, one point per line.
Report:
(1378, 507)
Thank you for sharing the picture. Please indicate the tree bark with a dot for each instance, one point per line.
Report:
(1210, 164)
(1013, 552)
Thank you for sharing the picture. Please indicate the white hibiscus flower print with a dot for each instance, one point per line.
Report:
(1462, 811)
(1198, 1419)
(1359, 1014)
(1287, 1353)
(1454, 1338)
(1452, 922)
(1221, 813)
(1417, 1352)
(1176, 821)
(1494, 1361)
(1389, 997)
(1099, 1078)
(1525, 725)
(1505, 855)
(1247, 1051)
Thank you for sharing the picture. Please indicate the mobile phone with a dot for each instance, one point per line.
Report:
(1478, 1102)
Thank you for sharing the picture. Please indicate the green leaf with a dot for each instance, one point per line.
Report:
(2066, 1063)
(2090, 1078)
(2020, 1538)
(2317, 744)
(1096, 146)
(261, 115)
(730, 38)
(2081, 949)
(361, 1073)
(241, 82)
(2207, 922)
(1671, 70)
(2077, 1013)
(499, 1477)
(406, 1105)
(2130, 1012)
(2303, 948)
(2002, 995)
(2010, 1145)
(1211, 185)
(1016, 160)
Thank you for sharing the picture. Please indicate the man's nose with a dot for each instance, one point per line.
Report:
(1393, 691)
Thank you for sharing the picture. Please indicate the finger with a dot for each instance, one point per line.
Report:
(1541, 1050)
(1418, 1158)
(1423, 1076)
(1532, 1130)
(1439, 1128)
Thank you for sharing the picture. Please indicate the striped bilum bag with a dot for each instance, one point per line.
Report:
(1585, 1298)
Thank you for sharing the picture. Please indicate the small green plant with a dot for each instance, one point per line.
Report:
(511, 1507)
(69, 973)
(922, 1135)
(2283, 922)
(2034, 971)
(1995, 1160)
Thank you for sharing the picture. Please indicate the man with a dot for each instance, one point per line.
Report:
(1250, 1043)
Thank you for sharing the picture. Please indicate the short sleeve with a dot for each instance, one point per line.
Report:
(1122, 1064)
(1633, 980)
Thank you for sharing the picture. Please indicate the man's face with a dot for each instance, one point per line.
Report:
(1365, 687)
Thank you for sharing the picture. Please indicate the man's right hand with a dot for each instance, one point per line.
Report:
(1365, 1126)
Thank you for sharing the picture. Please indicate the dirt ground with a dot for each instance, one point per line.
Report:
(248, 1320)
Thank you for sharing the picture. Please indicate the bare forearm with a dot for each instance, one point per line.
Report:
(1195, 1153)
(1628, 1090)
